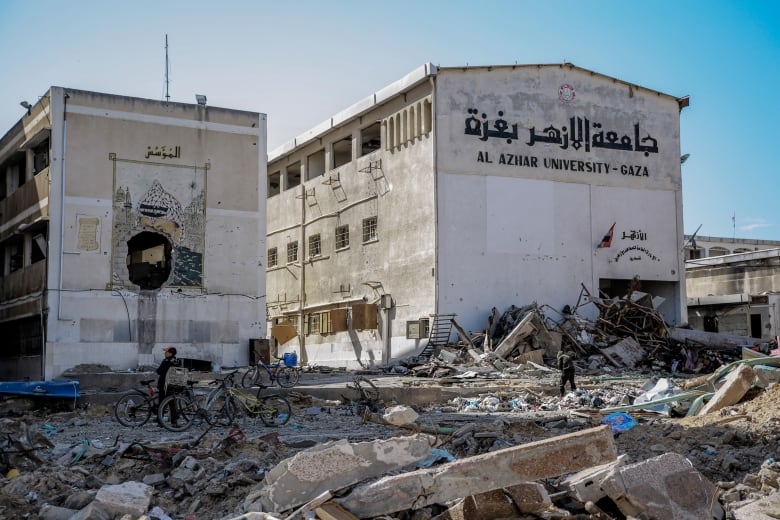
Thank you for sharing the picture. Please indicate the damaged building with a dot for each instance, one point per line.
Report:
(736, 293)
(458, 189)
(127, 224)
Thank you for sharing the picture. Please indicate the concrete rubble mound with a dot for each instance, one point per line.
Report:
(477, 429)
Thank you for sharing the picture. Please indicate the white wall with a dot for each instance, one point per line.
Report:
(520, 219)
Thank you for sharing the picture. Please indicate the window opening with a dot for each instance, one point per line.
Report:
(38, 251)
(342, 237)
(274, 184)
(370, 139)
(41, 156)
(15, 253)
(342, 152)
(292, 252)
(273, 259)
(315, 246)
(369, 229)
(148, 260)
(315, 164)
(293, 175)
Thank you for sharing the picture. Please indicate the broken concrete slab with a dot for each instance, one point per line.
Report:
(734, 388)
(766, 508)
(529, 497)
(491, 505)
(627, 352)
(482, 473)
(400, 415)
(585, 485)
(334, 465)
(127, 498)
(521, 330)
(667, 486)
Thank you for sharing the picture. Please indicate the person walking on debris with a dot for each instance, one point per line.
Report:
(169, 361)
(566, 366)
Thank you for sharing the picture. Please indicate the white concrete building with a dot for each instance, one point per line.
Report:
(456, 190)
(127, 224)
(736, 293)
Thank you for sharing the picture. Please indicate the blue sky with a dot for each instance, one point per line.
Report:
(301, 61)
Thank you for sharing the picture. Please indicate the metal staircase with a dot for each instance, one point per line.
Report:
(438, 334)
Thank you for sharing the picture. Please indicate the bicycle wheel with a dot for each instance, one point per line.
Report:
(274, 410)
(218, 410)
(288, 377)
(133, 409)
(249, 379)
(177, 412)
(367, 390)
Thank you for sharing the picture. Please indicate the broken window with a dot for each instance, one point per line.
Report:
(342, 237)
(315, 244)
(313, 324)
(292, 252)
(293, 175)
(370, 139)
(14, 253)
(342, 151)
(273, 259)
(148, 260)
(369, 229)
(39, 247)
(40, 156)
(274, 184)
(315, 164)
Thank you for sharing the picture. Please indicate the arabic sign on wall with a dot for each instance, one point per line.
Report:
(558, 124)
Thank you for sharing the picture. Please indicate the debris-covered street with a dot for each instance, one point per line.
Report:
(651, 431)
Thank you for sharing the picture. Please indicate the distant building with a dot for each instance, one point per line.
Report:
(127, 224)
(703, 246)
(456, 190)
(736, 294)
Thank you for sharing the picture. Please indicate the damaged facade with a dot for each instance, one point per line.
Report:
(736, 294)
(127, 224)
(456, 190)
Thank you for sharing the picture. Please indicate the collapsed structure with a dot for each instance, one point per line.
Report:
(454, 190)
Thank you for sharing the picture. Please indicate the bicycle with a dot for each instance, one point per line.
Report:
(231, 404)
(366, 394)
(286, 375)
(179, 411)
(135, 407)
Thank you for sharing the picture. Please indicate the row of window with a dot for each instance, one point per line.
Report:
(315, 242)
(360, 316)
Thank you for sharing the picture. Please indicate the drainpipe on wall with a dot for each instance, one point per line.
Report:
(303, 356)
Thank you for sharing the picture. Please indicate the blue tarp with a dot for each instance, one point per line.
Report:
(69, 389)
(619, 422)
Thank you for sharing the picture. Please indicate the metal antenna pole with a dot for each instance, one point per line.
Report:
(167, 95)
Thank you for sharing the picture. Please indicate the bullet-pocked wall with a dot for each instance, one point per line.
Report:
(157, 231)
(537, 166)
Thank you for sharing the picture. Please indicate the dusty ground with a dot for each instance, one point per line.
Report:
(724, 446)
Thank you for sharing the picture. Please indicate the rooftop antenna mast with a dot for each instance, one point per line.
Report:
(167, 67)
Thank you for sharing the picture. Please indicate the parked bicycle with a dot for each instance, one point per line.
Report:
(284, 372)
(181, 410)
(229, 404)
(135, 407)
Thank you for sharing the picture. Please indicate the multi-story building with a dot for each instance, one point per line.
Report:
(127, 224)
(737, 293)
(697, 246)
(456, 190)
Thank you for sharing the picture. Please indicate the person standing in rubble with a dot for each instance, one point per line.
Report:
(566, 366)
(169, 361)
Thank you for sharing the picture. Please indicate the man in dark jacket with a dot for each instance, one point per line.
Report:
(566, 366)
(162, 371)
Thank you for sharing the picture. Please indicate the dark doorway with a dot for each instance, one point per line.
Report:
(710, 324)
(755, 326)
(148, 260)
